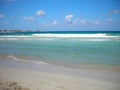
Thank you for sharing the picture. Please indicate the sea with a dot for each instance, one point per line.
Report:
(67, 48)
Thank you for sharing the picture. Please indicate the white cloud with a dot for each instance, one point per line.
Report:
(2, 16)
(83, 21)
(114, 12)
(68, 18)
(28, 18)
(41, 13)
(76, 21)
(54, 22)
(97, 22)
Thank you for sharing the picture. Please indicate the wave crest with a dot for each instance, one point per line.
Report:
(50, 36)
(69, 35)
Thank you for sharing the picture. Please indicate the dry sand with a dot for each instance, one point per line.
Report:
(36, 80)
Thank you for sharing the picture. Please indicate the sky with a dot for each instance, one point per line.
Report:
(60, 15)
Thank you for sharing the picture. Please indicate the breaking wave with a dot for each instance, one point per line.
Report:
(70, 35)
(50, 36)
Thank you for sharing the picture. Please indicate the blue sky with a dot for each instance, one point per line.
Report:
(60, 15)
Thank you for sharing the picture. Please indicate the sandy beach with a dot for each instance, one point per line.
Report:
(48, 77)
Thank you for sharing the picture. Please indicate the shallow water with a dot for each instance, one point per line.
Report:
(68, 48)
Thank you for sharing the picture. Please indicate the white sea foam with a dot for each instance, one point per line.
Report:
(74, 36)
(12, 57)
(14, 36)
(50, 36)
(91, 39)
(69, 35)
(40, 62)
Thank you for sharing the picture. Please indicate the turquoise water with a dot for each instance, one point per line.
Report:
(74, 48)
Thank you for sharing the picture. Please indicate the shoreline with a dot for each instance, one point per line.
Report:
(50, 77)
(60, 69)
(64, 65)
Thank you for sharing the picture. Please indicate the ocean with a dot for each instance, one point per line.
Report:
(68, 48)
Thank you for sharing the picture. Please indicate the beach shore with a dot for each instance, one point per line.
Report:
(48, 77)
